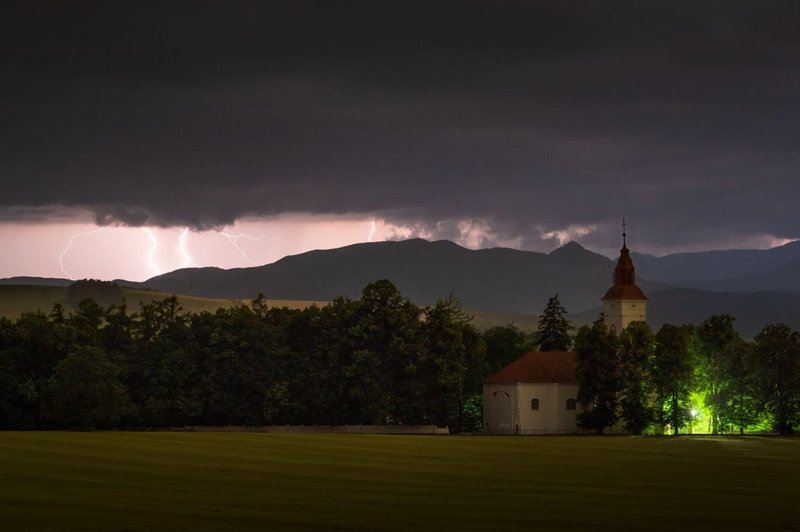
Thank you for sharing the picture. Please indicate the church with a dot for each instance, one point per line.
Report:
(537, 393)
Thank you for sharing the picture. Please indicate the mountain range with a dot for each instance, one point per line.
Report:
(735, 270)
(497, 279)
(756, 286)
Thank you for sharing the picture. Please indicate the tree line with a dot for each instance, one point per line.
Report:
(375, 360)
(378, 359)
(654, 382)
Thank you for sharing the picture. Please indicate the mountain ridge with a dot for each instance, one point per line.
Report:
(704, 269)
(495, 280)
(499, 279)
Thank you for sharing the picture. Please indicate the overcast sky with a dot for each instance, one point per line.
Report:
(523, 124)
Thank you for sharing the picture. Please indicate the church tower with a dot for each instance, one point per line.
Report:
(624, 302)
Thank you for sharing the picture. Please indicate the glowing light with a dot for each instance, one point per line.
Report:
(187, 259)
(570, 233)
(151, 255)
(693, 412)
(233, 240)
(69, 245)
(372, 231)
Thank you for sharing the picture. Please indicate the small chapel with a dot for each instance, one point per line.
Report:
(537, 393)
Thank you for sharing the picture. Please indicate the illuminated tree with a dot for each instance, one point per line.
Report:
(673, 376)
(720, 371)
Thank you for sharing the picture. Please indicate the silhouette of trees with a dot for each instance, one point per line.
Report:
(504, 344)
(673, 376)
(597, 368)
(376, 359)
(776, 365)
(553, 331)
(636, 350)
(102, 292)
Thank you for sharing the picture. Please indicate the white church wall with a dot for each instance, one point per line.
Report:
(552, 416)
(617, 314)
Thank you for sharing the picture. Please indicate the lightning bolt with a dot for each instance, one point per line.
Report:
(187, 259)
(371, 231)
(233, 240)
(150, 256)
(69, 245)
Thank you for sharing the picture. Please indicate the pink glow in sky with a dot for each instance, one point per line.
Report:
(77, 250)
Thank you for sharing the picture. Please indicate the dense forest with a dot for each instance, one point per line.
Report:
(379, 359)
(376, 360)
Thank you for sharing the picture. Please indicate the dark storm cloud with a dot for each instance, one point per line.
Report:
(525, 117)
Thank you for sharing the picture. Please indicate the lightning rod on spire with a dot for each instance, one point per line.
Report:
(624, 234)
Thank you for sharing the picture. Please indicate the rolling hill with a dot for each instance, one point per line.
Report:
(498, 285)
(18, 298)
(735, 270)
(497, 279)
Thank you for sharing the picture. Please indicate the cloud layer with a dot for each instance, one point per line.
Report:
(507, 122)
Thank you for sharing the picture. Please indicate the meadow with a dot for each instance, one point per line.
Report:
(16, 299)
(261, 481)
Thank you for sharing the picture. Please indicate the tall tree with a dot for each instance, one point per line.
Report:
(388, 339)
(335, 374)
(714, 337)
(553, 331)
(597, 368)
(444, 363)
(673, 376)
(636, 347)
(35, 345)
(737, 400)
(776, 366)
(162, 379)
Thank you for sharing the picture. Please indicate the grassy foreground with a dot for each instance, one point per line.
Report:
(257, 481)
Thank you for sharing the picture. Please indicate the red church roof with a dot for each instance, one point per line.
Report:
(538, 367)
(630, 291)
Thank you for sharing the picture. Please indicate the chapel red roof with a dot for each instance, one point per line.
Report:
(538, 367)
(624, 292)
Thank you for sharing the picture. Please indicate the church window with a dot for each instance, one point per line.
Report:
(534, 404)
(570, 404)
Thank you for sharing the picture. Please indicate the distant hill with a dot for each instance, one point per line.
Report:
(17, 298)
(740, 270)
(501, 285)
(784, 279)
(35, 281)
(497, 279)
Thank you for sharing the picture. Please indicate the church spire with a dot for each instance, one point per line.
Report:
(624, 273)
(624, 301)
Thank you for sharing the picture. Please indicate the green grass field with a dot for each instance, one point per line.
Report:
(259, 481)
